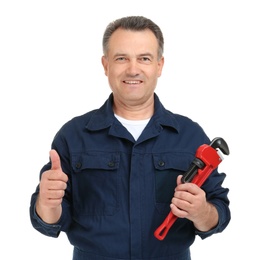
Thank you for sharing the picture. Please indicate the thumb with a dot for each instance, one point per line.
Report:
(55, 160)
(179, 179)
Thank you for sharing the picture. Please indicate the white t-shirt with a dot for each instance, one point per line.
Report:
(135, 127)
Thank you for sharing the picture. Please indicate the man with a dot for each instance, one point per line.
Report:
(115, 172)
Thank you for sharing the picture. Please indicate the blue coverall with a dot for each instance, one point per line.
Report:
(119, 189)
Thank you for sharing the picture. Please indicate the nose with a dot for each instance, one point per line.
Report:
(133, 68)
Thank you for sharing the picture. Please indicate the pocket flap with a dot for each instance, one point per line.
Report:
(95, 160)
(179, 161)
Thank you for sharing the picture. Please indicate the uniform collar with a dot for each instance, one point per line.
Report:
(104, 117)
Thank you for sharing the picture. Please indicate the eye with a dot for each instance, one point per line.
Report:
(120, 59)
(145, 59)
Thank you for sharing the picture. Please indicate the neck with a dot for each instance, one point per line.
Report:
(134, 112)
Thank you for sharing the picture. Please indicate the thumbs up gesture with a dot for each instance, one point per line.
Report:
(51, 191)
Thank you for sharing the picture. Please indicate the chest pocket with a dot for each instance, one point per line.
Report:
(95, 183)
(167, 167)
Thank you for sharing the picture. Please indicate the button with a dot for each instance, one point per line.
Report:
(111, 164)
(161, 163)
(78, 165)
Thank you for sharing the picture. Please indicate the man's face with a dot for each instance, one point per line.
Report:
(132, 66)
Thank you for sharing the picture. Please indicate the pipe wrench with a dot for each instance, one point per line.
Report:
(207, 159)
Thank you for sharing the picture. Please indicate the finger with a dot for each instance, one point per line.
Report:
(56, 194)
(178, 211)
(55, 160)
(56, 172)
(57, 185)
(182, 197)
(188, 186)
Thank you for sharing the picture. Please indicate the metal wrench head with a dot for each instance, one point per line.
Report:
(219, 143)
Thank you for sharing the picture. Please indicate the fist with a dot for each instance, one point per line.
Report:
(53, 183)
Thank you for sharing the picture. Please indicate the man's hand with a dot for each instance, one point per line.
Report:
(189, 202)
(51, 191)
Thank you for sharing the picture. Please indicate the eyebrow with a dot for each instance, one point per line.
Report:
(140, 55)
(147, 54)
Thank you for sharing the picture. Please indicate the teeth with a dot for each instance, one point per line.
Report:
(132, 82)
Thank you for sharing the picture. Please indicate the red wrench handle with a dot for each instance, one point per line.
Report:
(161, 232)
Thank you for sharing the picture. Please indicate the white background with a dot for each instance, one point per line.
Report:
(50, 71)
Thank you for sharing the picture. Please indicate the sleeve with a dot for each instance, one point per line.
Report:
(52, 230)
(218, 196)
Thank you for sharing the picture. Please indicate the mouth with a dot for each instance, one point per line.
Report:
(132, 82)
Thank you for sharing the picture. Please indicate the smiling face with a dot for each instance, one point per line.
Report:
(132, 67)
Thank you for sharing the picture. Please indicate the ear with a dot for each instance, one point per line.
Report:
(105, 65)
(160, 65)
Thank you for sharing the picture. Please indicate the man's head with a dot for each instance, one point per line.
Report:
(133, 62)
(133, 23)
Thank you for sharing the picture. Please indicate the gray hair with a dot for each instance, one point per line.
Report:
(134, 23)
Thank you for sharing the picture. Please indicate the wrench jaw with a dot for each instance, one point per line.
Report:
(220, 154)
(220, 143)
(206, 155)
(210, 158)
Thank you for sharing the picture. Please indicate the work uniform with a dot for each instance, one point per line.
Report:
(119, 190)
